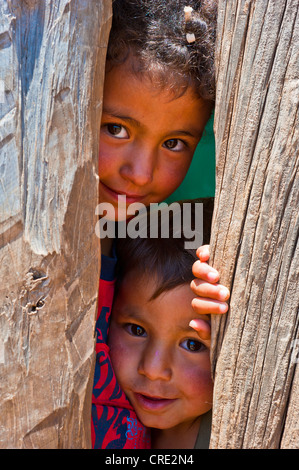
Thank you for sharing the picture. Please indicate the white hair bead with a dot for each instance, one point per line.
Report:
(188, 11)
(190, 37)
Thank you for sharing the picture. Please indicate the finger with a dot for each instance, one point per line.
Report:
(203, 252)
(204, 306)
(205, 272)
(211, 291)
(203, 329)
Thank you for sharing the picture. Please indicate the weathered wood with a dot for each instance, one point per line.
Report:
(255, 225)
(52, 56)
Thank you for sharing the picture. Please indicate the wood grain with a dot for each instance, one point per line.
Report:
(52, 56)
(255, 225)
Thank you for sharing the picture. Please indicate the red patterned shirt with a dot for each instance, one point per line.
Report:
(114, 423)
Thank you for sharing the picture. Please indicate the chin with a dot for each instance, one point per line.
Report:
(155, 422)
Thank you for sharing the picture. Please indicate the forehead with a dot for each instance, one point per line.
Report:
(159, 78)
(143, 94)
(170, 311)
(125, 75)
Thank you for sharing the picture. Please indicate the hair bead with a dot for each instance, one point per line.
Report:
(188, 11)
(190, 37)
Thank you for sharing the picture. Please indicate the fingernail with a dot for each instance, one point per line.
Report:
(223, 294)
(213, 276)
(192, 324)
(223, 308)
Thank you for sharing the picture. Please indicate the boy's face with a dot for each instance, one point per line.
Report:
(158, 359)
(148, 137)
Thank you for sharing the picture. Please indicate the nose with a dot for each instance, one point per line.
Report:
(155, 363)
(139, 165)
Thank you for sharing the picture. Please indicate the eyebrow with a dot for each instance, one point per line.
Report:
(115, 114)
(187, 330)
(195, 135)
(131, 314)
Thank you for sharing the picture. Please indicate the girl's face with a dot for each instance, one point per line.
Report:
(158, 359)
(147, 140)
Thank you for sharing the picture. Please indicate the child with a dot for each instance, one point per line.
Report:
(158, 96)
(161, 362)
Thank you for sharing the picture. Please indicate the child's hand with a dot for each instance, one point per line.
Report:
(211, 295)
(203, 329)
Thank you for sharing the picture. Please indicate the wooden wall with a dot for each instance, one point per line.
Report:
(52, 56)
(255, 227)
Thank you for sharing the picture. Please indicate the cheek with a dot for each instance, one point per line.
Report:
(169, 178)
(122, 359)
(198, 383)
(107, 158)
(118, 355)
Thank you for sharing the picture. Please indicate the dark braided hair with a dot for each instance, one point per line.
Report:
(164, 259)
(154, 33)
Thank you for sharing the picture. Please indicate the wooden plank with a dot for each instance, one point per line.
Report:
(255, 225)
(52, 56)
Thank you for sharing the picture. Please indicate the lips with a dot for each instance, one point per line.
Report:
(130, 197)
(153, 403)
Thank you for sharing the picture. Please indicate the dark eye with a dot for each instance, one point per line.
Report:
(174, 144)
(135, 330)
(192, 345)
(117, 131)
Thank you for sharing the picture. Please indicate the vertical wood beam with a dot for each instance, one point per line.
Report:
(52, 56)
(255, 225)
